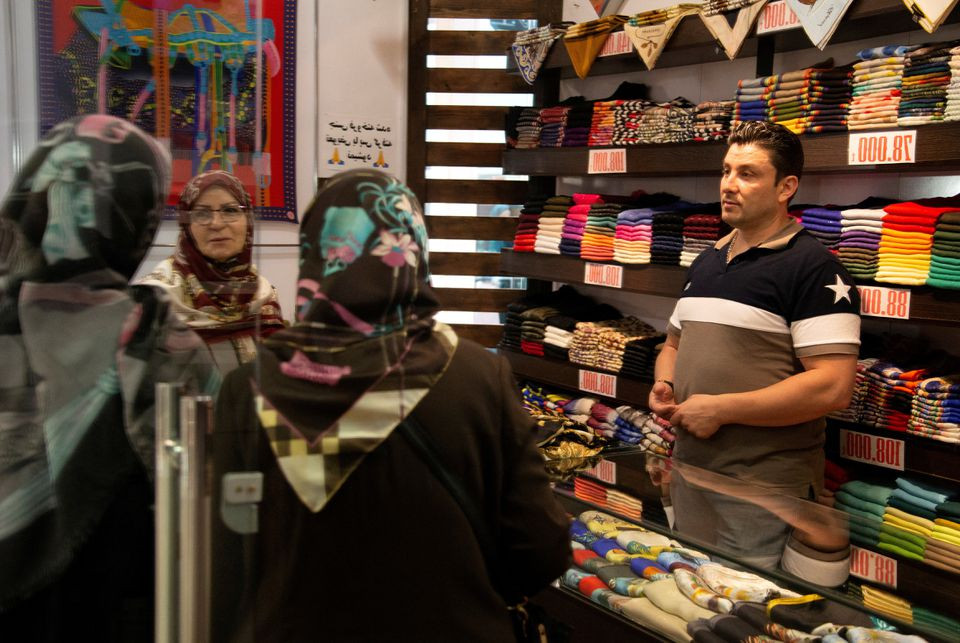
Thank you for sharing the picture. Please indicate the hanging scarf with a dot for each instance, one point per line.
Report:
(365, 349)
(218, 300)
(82, 350)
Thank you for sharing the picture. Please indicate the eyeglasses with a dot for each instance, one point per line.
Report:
(228, 214)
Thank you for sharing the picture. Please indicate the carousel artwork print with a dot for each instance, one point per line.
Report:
(213, 80)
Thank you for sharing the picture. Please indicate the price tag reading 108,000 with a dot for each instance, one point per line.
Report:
(879, 148)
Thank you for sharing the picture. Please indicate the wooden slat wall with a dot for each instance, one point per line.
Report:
(486, 9)
(471, 154)
(454, 116)
(421, 154)
(469, 43)
(489, 228)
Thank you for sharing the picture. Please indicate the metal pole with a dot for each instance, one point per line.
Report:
(166, 514)
(196, 420)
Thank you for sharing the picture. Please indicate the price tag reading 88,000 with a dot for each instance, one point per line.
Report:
(876, 301)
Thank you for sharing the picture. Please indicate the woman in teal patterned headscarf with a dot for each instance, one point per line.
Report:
(82, 351)
(346, 499)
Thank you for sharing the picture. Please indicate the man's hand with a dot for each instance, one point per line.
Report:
(661, 400)
(698, 415)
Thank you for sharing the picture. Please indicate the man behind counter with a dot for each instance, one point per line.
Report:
(761, 345)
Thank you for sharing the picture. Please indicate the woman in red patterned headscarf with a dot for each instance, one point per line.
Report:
(216, 287)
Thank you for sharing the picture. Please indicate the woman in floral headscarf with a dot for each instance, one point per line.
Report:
(211, 277)
(346, 497)
(82, 352)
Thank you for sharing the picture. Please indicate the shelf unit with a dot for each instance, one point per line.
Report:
(693, 44)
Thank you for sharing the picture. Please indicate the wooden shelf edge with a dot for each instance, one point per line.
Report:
(650, 279)
(929, 305)
(825, 152)
(565, 375)
(921, 455)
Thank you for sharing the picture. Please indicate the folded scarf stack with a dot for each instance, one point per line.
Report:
(859, 248)
(952, 110)
(814, 99)
(554, 122)
(945, 253)
(824, 223)
(550, 224)
(701, 232)
(888, 400)
(876, 87)
(935, 411)
(634, 232)
(525, 238)
(579, 119)
(854, 410)
(603, 123)
(528, 128)
(905, 243)
(627, 119)
(926, 75)
(598, 235)
(711, 120)
(601, 344)
(670, 122)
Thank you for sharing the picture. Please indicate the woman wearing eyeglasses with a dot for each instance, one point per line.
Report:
(211, 277)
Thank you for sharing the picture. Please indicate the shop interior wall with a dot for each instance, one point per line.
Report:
(718, 81)
(351, 54)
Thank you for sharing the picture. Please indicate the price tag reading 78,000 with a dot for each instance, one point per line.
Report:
(879, 148)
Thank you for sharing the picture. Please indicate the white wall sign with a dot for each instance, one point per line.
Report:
(354, 141)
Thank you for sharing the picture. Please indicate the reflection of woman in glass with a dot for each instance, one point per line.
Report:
(348, 498)
(211, 277)
(82, 352)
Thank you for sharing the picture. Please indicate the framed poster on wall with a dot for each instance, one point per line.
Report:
(212, 79)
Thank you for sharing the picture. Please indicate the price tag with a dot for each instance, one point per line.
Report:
(869, 565)
(617, 43)
(872, 449)
(605, 471)
(882, 148)
(607, 161)
(877, 301)
(597, 383)
(603, 274)
(777, 16)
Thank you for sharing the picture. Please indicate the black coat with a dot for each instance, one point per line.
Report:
(392, 557)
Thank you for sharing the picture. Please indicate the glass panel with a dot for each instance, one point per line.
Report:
(738, 539)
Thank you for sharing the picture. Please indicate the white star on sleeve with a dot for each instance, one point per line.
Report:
(840, 290)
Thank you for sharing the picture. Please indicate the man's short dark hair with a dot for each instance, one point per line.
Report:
(785, 148)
